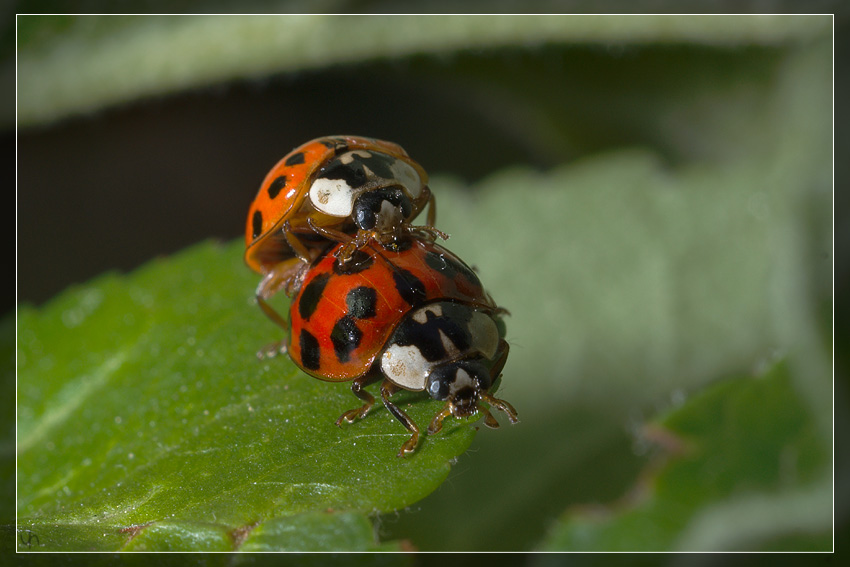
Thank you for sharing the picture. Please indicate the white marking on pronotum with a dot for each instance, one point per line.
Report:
(333, 197)
(421, 315)
(405, 366)
(348, 157)
(451, 349)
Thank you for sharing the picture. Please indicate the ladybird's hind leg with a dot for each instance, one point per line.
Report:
(280, 277)
(387, 390)
(353, 415)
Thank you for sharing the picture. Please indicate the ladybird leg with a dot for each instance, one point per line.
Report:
(501, 311)
(352, 243)
(358, 413)
(280, 277)
(432, 211)
(437, 423)
(427, 232)
(329, 233)
(387, 390)
(495, 402)
(278, 347)
(489, 420)
(501, 405)
(295, 243)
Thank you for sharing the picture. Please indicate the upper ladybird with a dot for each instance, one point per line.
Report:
(347, 189)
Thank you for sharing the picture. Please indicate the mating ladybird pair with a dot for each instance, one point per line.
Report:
(373, 296)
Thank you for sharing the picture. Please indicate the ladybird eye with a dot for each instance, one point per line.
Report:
(439, 382)
(363, 216)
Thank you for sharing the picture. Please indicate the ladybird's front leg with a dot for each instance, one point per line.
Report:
(495, 371)
(437, 423)
(298, 247)
(329, 233)
(500, 405)
(387, 390)
(351, 243)
(425, 232)
(358, 413)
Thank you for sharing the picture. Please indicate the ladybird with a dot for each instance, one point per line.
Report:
(346, 189)
(416, 316)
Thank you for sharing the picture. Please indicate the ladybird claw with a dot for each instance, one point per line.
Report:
(437, 423)
(409, 445)
(348, 417)
(427, 232)
(489, 420)
(353, 415)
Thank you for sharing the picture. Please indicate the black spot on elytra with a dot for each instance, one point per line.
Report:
(409, 287)
(450, 267)
(311, 295)
(361, 302)
(358, 262)
(295, 159)
(453, 323)
(257, 224)
(276, 186)
(309, 350)
(345, 337)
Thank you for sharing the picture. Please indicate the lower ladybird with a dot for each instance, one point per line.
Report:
(418, 317)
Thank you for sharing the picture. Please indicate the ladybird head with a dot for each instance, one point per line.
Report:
(461, 383)
(382, 210)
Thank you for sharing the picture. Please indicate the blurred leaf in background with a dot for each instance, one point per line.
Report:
(648, 195)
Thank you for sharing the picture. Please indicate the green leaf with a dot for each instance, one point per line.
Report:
(742, 461)
(69, 65)
(145, 421)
